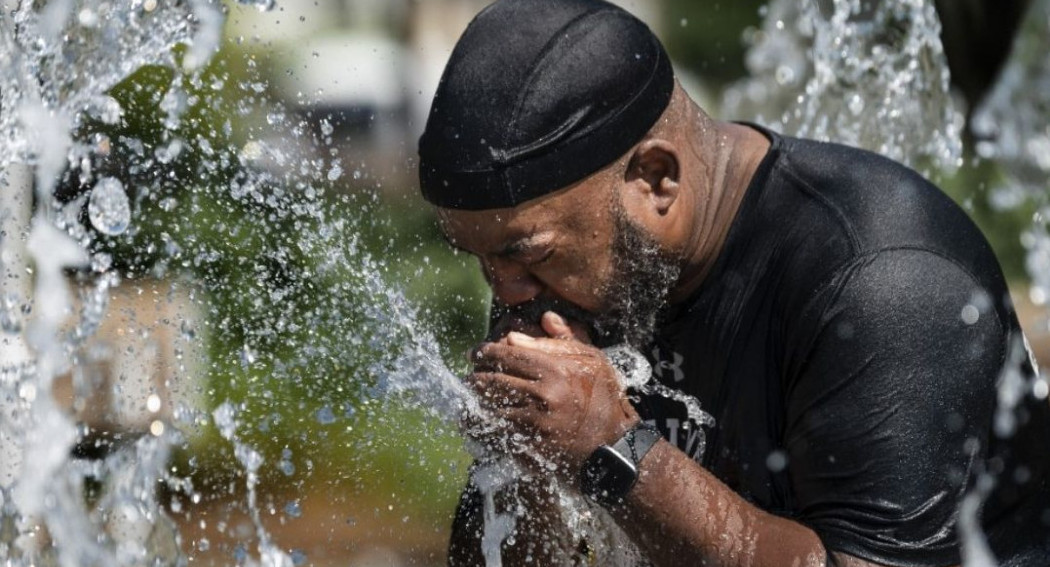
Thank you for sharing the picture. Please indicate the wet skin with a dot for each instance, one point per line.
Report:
(682, 186)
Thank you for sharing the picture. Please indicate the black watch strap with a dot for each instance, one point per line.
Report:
(637, 441)
(612, 470)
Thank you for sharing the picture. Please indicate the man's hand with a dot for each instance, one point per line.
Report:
(558, 392)
(561, 394)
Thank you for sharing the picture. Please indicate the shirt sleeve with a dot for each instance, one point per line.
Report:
(891, 405)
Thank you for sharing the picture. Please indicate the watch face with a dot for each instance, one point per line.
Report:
(607, 475)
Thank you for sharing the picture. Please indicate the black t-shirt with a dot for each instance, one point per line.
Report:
(848, 343)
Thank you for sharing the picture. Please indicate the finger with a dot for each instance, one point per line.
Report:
(524, 363)
(497, 391)
(548, 345)
(557, 327)
(477, 355)
(524, 419)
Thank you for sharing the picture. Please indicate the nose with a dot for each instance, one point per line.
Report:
(511, 283)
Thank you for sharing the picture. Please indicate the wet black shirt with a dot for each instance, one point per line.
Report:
(848, 343)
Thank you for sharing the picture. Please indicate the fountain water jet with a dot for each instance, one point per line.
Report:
(860, 73)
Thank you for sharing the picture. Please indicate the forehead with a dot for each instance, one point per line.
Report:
(580, 207)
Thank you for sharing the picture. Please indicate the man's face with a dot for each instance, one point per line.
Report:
(574, 252)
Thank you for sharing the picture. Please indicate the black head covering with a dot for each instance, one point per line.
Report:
(537, 95)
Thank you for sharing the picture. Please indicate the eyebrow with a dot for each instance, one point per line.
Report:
(515, 248)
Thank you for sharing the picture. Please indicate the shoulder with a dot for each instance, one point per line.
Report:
(915, 284)
(865, 203)
(906, 304)
(880, 203)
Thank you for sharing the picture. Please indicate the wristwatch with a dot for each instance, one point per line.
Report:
(612, 470)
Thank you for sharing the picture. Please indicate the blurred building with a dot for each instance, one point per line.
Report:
(141, 369)
(364, 71)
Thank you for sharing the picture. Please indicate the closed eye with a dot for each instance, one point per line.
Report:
(547, 255)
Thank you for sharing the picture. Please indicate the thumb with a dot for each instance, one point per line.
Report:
(558, 328)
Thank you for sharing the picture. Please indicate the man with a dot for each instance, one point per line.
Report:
(840, 319)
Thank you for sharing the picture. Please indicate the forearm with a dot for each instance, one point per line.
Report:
(679, 510)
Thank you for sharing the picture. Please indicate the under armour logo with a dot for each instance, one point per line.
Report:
(664, 365)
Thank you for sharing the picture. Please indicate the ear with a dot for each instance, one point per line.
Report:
(654, 168)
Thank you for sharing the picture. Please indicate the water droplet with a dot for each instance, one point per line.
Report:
(108, 207)
(776, 461)
(1041, 389)
(252, 151)
(856, 104)
(10, 316)
(325, 416)
(785, 75)
(292, 509)
(335, 173)
(170, 152)
(970, 314)
(27, 392)
(247, 355)
(226, 419)
(286, 467)
(87, 18)
(101, 262)
(261, 5)
(187, 330)
(153, 403)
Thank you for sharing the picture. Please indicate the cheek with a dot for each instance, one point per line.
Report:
(580, 277)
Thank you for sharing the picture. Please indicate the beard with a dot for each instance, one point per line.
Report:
(632, 298)
(642, 278)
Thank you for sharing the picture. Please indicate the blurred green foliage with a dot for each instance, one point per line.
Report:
(706, 37)
(971, 187)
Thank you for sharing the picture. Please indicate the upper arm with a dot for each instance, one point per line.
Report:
(892, 405)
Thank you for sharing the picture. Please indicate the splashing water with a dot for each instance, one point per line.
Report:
(636, 373)
(41, 103)
(975, 551)
(1011, 124)
(108, 207)
(860, 73)
(62, 68)
(226, 420)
